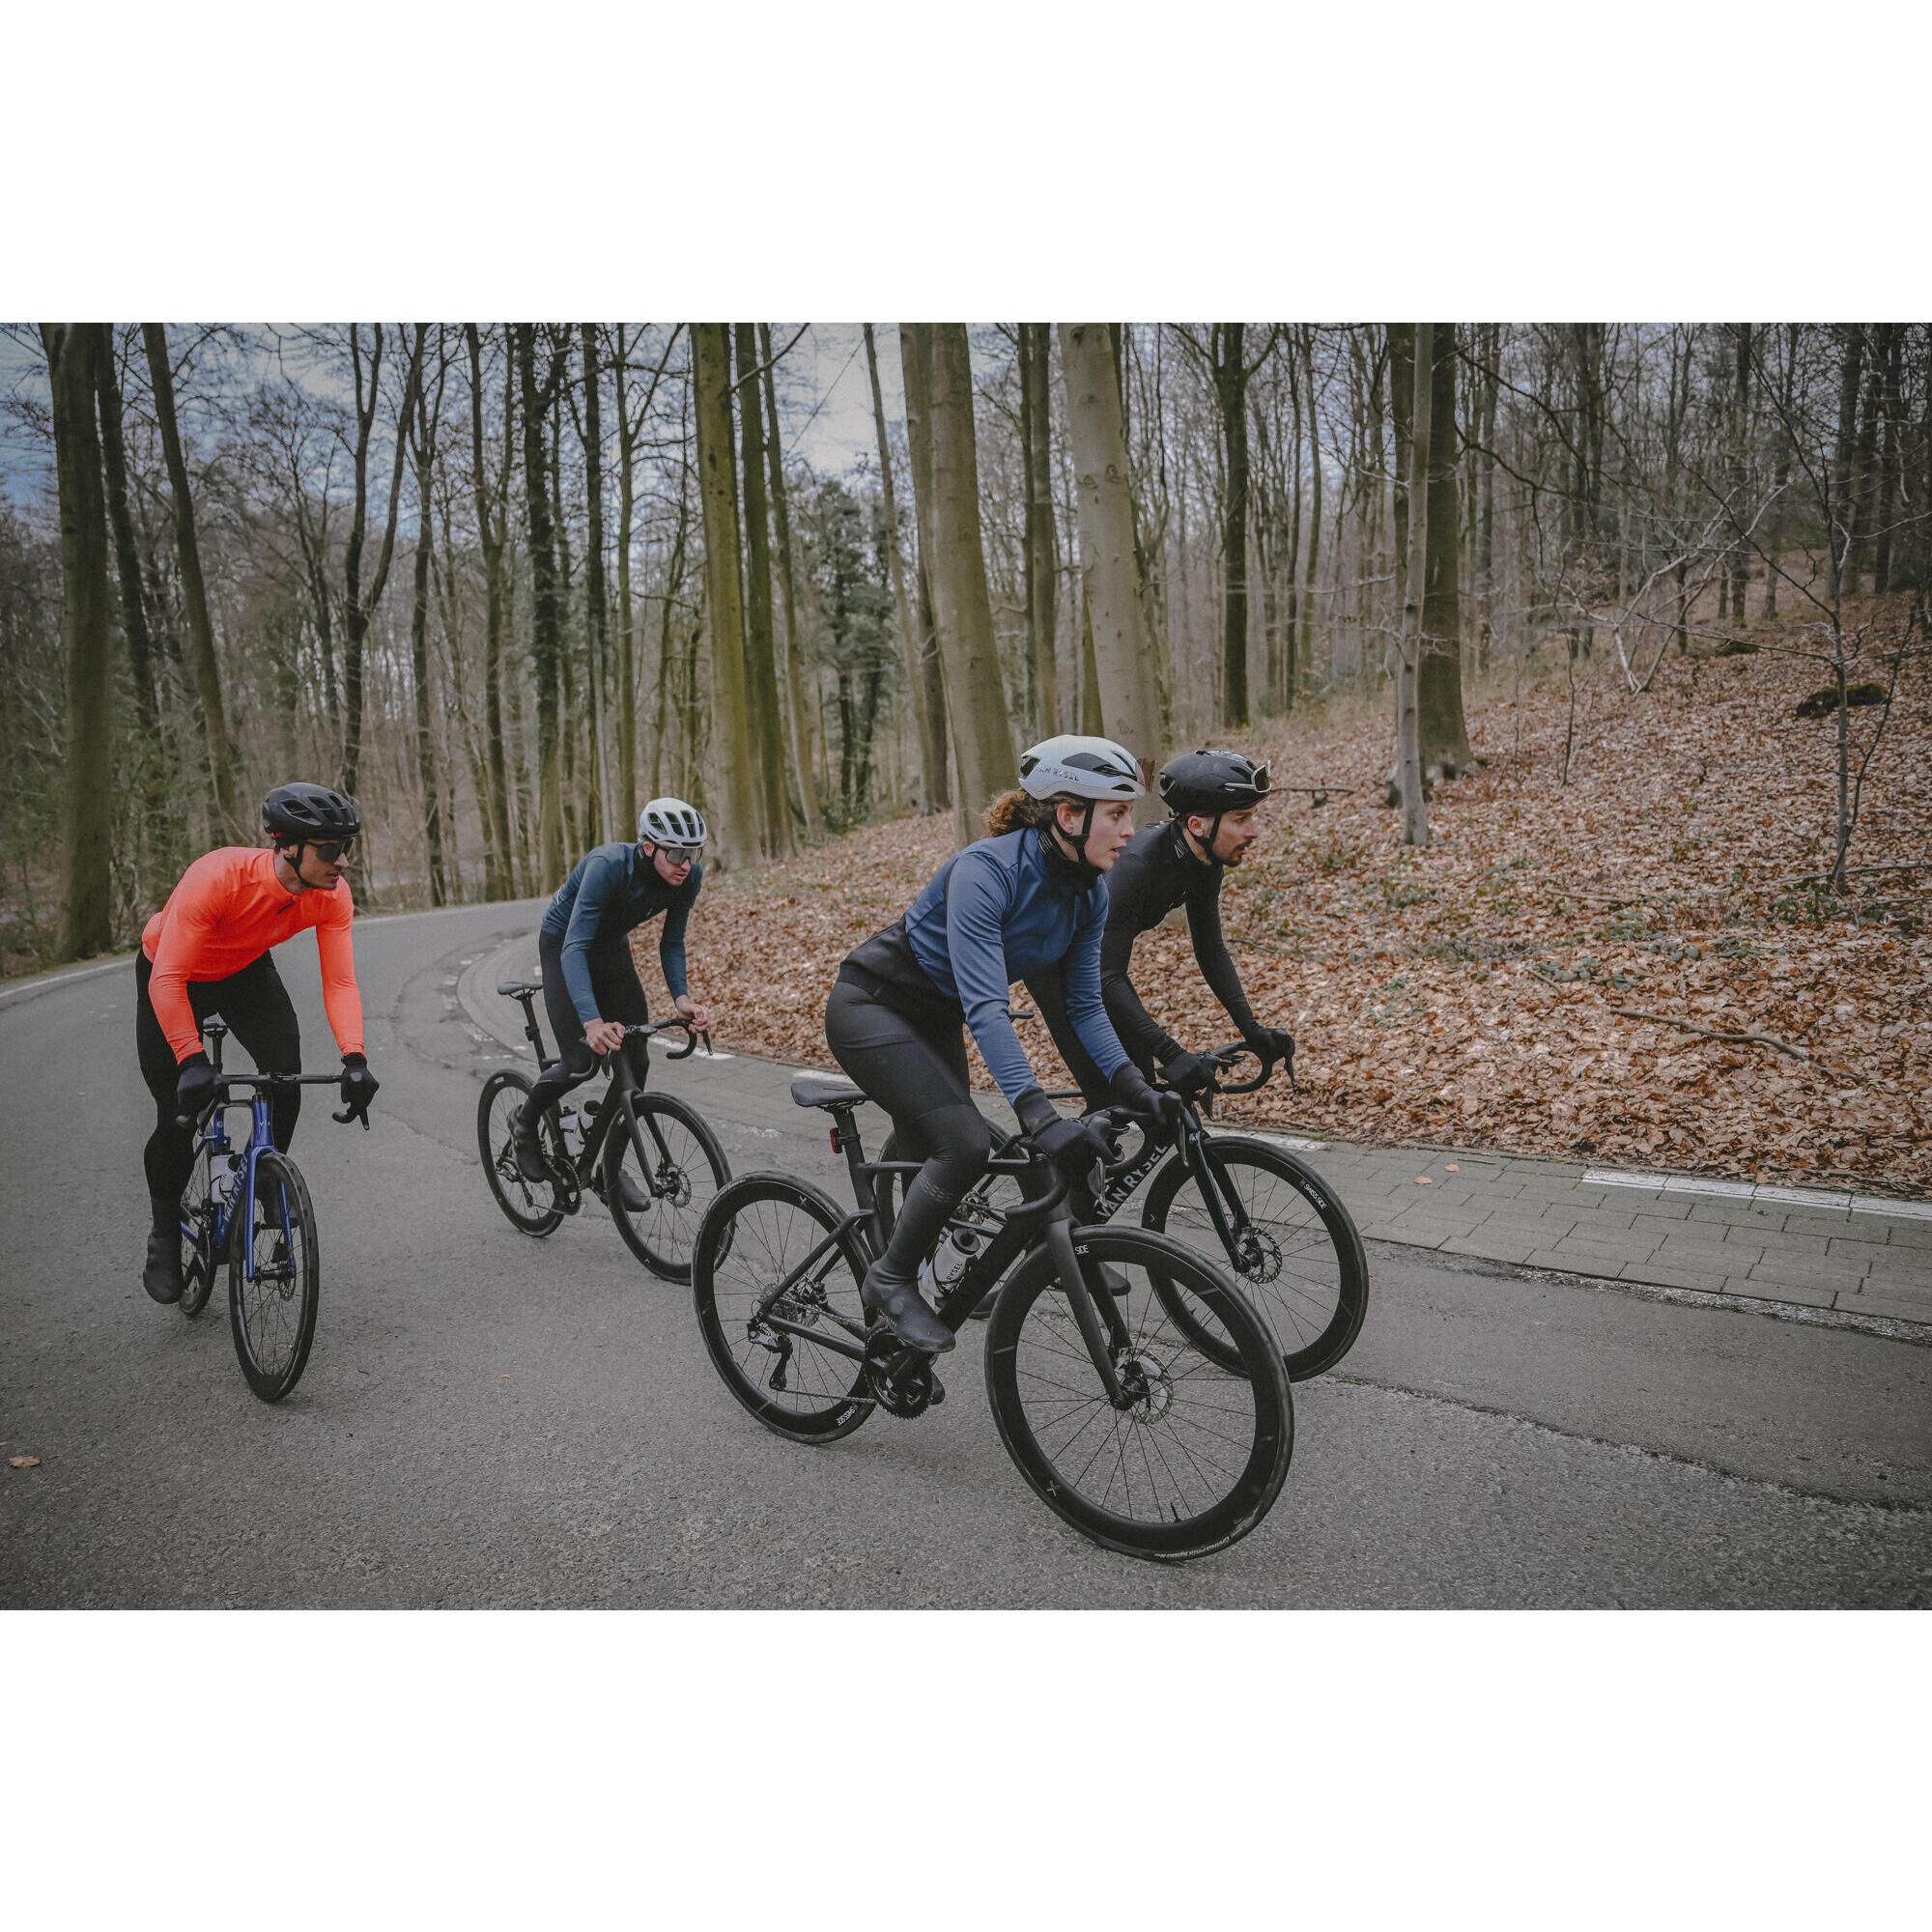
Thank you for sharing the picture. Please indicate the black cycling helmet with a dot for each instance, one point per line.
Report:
(1213, 782)
(309, 811)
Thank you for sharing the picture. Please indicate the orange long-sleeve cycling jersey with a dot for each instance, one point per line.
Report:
(227, 911)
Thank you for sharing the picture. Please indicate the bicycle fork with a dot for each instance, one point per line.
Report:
(1085, 1315)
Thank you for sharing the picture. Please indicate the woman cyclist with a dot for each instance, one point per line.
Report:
(1030, 893)
(206, 952)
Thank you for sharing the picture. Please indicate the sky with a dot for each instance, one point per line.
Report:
(825, 400)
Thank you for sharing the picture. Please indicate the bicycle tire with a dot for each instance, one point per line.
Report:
(521, 1200)
(198, 1258)
(274, 1316)
(758, 1229)
(1302, 1265)
(664, 1236)
(1168, 1485)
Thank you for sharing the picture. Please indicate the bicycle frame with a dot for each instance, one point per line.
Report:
(621, 1100)
(214, 1139)
(1018, 1232)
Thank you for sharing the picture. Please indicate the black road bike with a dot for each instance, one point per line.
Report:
(248, 1205)
(1152, 1414)
(1268, 1218)
(651, 1158)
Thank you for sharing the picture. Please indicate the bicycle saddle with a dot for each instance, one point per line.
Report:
(516, 989)
(825, 1090)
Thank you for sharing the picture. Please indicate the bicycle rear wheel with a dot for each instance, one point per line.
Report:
(533, 1207)
(682, 1169)
(1299, 1260)
(760, 1230)
(1197, 1455)
(274, 1314)
(198, 1258)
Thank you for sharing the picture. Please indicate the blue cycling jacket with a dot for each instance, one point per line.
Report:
(611, 890)
(993, 914)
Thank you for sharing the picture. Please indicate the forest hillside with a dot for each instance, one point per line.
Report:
(1636, 962)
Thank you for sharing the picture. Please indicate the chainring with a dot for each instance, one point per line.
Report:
(913, 1391)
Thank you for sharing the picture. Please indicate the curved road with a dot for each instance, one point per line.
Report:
(487, 1420)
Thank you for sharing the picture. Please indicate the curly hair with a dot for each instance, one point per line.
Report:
(1012, 810)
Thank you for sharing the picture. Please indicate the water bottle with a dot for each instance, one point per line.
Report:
(572, 1123)
(221, 1178)
(948, 1260)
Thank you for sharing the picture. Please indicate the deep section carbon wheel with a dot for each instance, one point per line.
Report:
(533, 1207)
(771, 1232)
(1194, 1454)
(273, 1311)
(1298, 1258)
(674, 1166)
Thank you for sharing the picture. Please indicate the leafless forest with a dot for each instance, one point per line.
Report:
(503, 582)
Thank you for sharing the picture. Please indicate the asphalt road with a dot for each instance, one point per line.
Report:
(491, 1421)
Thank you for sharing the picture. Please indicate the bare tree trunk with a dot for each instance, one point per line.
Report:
(1409, 715)
(627, 665)
(194, 592)
(1890, 341)
(356, 606)
(801, 759)
(1741, 343)
(74, 350)
(1305, 647)
(546, 637)
(1041, 542)
(597, 622)
(1446, 734)
(734, 813)
(768, 733)
(969, 660)
(915, 369)
(1485, 471)
(931, 731)
(1123, 666)
(1400, 338)
(500, 871)
(155, 841)
(1841, 527)
(428, 419)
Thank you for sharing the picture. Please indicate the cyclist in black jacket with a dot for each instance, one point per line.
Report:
(1215, 799)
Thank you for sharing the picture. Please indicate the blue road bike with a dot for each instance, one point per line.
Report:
(248, 1205)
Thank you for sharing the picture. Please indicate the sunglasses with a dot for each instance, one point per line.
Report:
(329, 850)
(680, 855)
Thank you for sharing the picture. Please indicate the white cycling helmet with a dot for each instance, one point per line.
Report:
(1093, 768)
(670, 821)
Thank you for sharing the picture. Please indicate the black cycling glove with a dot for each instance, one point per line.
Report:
(1274, 1043)
(194, 1086)
(1189, 1074)
(358, 1087)
(1160, 1113)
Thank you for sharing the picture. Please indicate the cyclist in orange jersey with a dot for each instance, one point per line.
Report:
(206, 952)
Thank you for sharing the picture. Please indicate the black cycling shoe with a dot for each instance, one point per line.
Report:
(634, 1198)
(903, 1309)
(530, 1163)
(161, 1278)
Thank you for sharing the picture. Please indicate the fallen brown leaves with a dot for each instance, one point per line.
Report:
(1467, 994)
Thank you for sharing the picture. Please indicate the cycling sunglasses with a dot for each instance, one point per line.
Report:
(329, 850)
(680, 855)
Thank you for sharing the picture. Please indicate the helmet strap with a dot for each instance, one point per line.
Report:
(1075, 851)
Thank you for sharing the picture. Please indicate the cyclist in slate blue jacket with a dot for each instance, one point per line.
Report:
(590, 984)
(1031, 893)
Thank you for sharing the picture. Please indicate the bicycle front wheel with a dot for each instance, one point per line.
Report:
(1298, 1258)
(533, 1207)
(1195, 1453)
(272, 1314)
(671, 1165)
(767, 1231)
